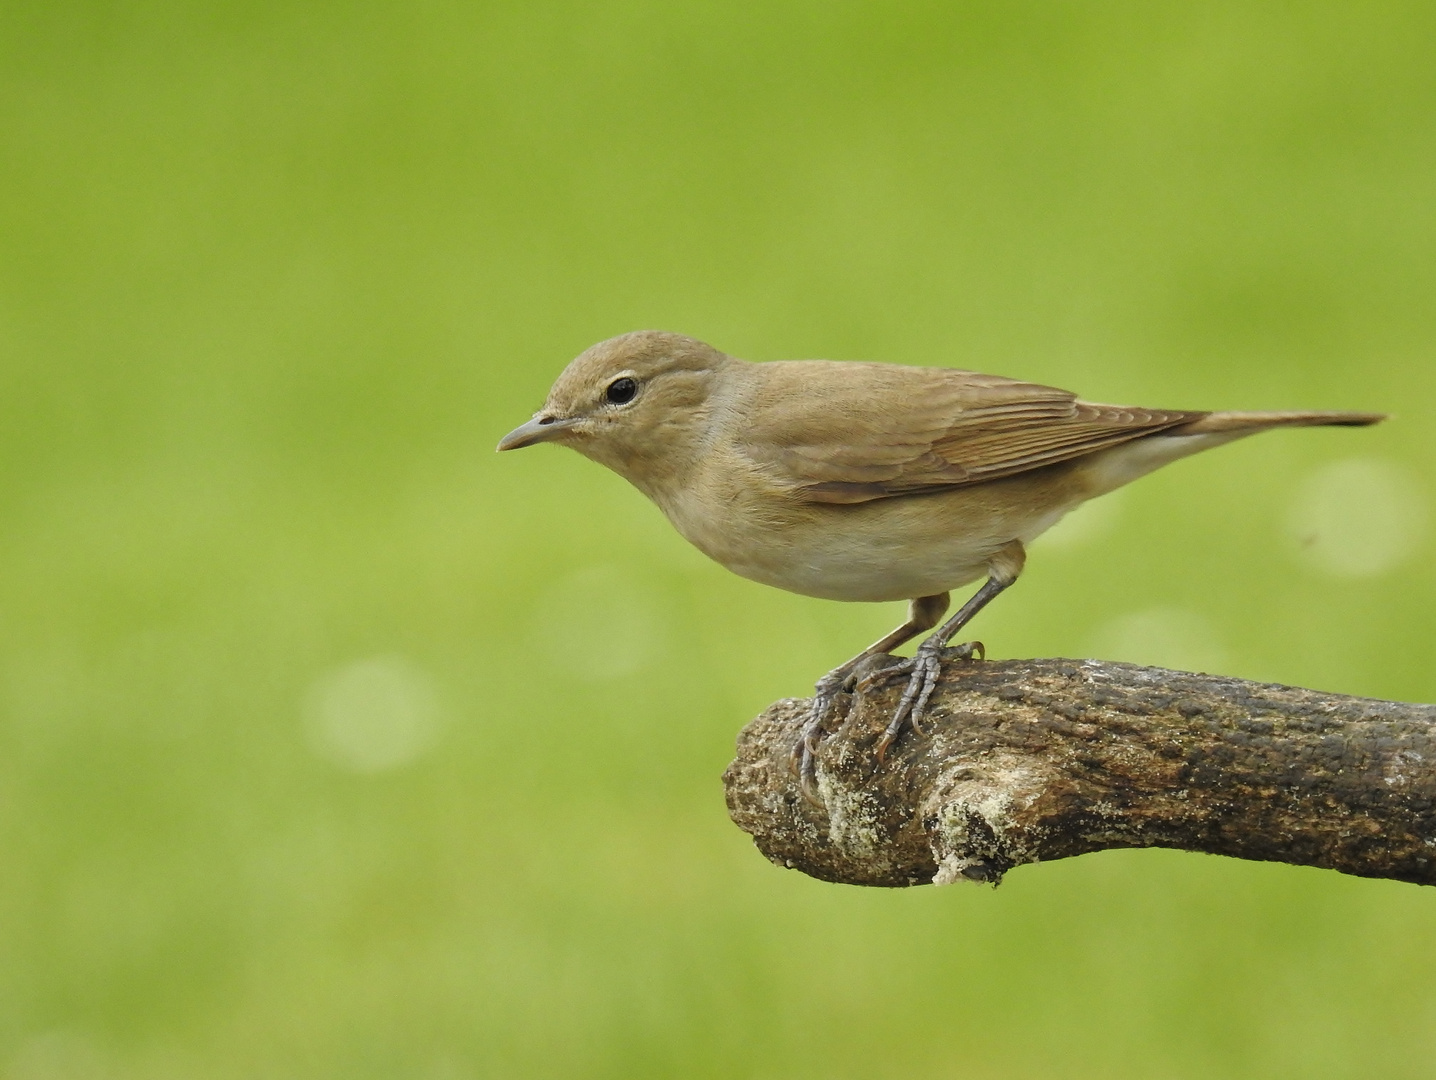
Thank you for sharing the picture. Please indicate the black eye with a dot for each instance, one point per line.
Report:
(621, 391)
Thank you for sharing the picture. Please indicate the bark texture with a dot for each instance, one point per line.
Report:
(1024, 761)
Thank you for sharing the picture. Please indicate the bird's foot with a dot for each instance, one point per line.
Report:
(922, 669)
(802, 763)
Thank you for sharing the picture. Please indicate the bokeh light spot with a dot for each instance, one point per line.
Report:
(1357, 518)
(373, 715)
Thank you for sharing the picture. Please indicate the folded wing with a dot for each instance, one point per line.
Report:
(851, 433)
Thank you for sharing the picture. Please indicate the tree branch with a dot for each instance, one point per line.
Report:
(1033, 760)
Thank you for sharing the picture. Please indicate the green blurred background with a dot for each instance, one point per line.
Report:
(335, 745)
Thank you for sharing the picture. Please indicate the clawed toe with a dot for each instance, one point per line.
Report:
(866, 683)
(923, 669)
(807, 769)
(802, 762)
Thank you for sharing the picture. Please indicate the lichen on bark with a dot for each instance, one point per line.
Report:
(1025, 761)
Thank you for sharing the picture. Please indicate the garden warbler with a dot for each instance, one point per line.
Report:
(861, 481)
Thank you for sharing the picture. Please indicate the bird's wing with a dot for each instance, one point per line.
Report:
(849, 433)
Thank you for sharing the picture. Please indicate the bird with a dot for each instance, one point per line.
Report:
(863, 482)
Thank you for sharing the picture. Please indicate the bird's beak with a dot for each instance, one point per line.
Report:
(539, 429)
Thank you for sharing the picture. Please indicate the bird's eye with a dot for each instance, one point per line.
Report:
(621, 391)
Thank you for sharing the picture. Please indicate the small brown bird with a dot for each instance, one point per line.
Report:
(859, 481)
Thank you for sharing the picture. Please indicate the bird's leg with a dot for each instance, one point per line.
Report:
(922, 614)
(926, 664)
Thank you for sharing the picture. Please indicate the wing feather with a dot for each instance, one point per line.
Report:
(848, 433)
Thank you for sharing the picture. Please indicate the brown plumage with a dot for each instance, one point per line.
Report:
(857, 481)
(875, 430)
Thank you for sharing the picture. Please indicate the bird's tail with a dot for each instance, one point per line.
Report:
(1109, 469)
(1250, 422)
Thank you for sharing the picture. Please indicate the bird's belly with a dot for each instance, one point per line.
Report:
(846, 572)
(893, 549)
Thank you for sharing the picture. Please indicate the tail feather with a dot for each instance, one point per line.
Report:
(1218, 422)
(1110, 469)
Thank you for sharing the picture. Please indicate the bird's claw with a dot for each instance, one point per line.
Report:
(923, 671)
(802, 763)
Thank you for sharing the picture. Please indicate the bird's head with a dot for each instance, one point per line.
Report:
(638, 403)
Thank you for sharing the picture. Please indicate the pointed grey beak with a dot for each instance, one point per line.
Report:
(539, 429)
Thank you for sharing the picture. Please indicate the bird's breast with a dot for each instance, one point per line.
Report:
(892, 549)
